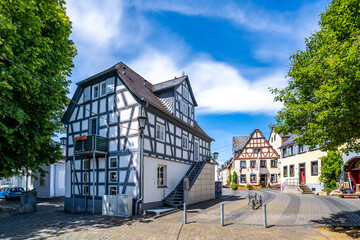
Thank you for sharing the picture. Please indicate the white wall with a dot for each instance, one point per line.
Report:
(175, 171)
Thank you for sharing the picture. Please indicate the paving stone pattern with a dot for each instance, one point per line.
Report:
(289, 216)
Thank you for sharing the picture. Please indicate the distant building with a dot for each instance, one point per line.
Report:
(49, 184)
(255, 161)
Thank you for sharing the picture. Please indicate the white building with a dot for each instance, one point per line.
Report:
(105, 110)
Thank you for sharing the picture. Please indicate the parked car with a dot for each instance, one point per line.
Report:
(11, 192)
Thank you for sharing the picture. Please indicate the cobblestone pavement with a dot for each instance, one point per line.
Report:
(289, 216)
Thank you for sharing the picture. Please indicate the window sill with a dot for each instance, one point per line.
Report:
(161, 186)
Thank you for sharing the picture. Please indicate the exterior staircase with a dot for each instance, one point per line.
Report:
(305, 189)
(176, 197)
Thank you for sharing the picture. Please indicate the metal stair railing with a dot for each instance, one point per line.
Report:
(188, 174)
(290, 182)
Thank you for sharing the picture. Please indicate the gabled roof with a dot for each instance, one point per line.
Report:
(240, 142)
(172, 83)
(168, 84)
(139, 87)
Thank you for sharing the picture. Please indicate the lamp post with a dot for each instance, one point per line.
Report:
(63, 141)
(142, 123)
(215, 154)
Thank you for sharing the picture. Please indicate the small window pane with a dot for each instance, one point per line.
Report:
(113, 190)
(113, 177)
(113, 162)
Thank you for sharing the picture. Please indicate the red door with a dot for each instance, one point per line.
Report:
(302, 174)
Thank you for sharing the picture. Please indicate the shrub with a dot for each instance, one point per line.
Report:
(234, 186)
(249, 187)
(229, 180)
(234, 177)
(268, 185)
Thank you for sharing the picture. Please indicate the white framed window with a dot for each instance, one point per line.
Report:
(243, 178)
(253, 178)
(103, 88)
(160, 132)
(113, 162)
(186, 109)
(196, 151)
(110, 85)
(113, 190)
(242, 164)
(86, 94)
(42, 179)
(185, 142)
(189, 110)
(161, 175)
(95, 91)
(112, 176)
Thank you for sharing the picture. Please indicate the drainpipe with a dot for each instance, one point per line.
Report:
(141, 133)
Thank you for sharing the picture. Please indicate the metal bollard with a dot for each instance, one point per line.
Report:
(264, 215)
(185, 217)
(222, 214)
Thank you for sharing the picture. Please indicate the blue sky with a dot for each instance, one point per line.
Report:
(232, 51)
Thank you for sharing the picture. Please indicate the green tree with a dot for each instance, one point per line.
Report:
(234, 177)
(321, 101)
(330, 169)
(35, 35)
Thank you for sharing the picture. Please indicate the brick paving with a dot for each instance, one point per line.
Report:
(289, 216)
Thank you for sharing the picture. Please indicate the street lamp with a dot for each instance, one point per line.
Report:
(215, 154)
(63, 141)
(142, 123)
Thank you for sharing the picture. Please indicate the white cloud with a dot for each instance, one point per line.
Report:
(218, 87)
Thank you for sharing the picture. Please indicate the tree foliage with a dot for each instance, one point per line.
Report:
(330, 169)
(321, 101)
(35, 35)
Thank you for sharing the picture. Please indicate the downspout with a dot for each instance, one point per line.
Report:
(141, 163)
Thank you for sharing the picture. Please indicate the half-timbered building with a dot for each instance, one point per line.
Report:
(256, 160)
(105, 154)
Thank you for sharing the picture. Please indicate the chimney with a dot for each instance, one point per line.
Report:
(124, 70)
